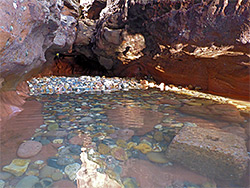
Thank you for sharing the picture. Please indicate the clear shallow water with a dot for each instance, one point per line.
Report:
(140, 123)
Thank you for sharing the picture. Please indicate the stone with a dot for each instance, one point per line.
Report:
(103, 149)
(119, 153)
(2, 183)
(47, 172)
(157, 157)
(53, 127)
(211, 152)
(65, 160)
(27, 182)
(46, 182)
(29, 149)
(88, 176)
(71, 170)
(52, 162)
(57, 176)
(158, 136)
(5, 175)
(32, 172)
(86, 120)
(58, 141)
(143, 147)
(130, 183)
(17, 166)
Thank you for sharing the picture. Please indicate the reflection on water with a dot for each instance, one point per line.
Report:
(127, 135)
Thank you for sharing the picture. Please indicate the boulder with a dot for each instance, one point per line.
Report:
(210, 152)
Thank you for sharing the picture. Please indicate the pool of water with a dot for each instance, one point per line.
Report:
(126, 133)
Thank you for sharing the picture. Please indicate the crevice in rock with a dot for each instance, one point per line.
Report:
(94, 11)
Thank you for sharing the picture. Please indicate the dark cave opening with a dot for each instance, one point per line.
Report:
(74, 65)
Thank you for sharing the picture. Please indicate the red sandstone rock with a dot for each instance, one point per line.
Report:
(210, 152)
(29, 149)
(223, 112)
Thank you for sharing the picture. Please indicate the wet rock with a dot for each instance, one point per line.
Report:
(32, 172)
(119, 154)
(143, 147)
(71, 170)
(103, 149)
(52, 161)
(87, 120)
(158, 136)
(29, 149)
(64, 183)
(53, 127)
(5, 175)
(124, 134)
(157, 157)
(56, 134)
(130, 183)
(65, 160)
(211, 152)
(27, 182)
(17, 166)
(224, 112)
(47, 172)
(2, 183)
(46, 182)
(57, 176)
(75, 149)
(88, 176)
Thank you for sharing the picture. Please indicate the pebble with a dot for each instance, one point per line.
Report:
(17, 166)
(158, 136)
(58, 141)
(32, 172)
(52, 162)
(5, 175)
(159, 126)
(157, 157)
(2, 183)
(29, 149)
(143, 147)
(46, 182)
(57, 176)
(71, 170)
(119, 153)
(53, 127)
(103, 149)
(65, 160)
(27, 182)
(47, 172)
(130, 183)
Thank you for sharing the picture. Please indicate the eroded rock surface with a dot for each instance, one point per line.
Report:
(210, 152)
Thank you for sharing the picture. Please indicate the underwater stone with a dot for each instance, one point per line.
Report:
(17, 166)
(210, 152)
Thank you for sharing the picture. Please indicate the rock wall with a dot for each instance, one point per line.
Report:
(203, 43)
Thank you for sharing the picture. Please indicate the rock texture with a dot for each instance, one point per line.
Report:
(200, 43)
(210, 152)
(88, 176)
